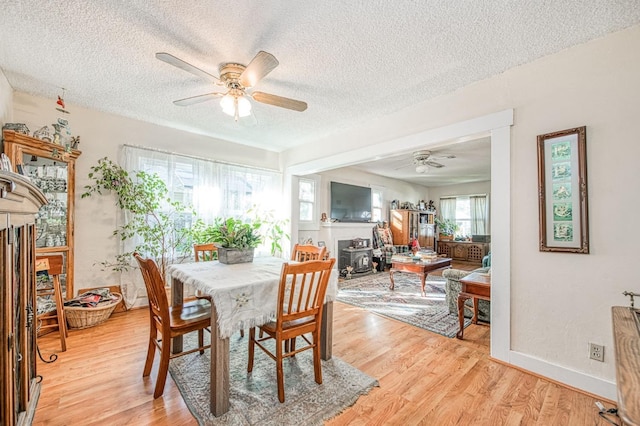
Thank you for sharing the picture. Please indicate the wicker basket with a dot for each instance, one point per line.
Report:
(78, 317)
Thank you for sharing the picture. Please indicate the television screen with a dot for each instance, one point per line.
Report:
(350, 203)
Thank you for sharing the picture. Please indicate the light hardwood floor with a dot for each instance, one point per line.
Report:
(425, 379)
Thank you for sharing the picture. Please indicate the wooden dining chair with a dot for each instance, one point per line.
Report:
(169, 322)
(52, 290)
(299, 307)
(306, 252)
(204, 251)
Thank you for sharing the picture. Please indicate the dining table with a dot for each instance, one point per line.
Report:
(243, 295)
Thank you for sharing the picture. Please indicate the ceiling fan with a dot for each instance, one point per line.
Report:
(236, 79)
(424, 159)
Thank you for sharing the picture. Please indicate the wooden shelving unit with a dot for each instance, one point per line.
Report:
(408, 224)
(51, 168)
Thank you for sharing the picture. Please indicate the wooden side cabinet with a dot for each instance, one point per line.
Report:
(20, 200)
(404, 226)
(464, 250)
(409, 224)
(51, 168)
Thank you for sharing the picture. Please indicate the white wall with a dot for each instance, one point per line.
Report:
(6, 100)
(559, 302)
(101, 135)
(438, 192)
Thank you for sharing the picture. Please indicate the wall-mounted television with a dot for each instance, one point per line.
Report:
(350, 203)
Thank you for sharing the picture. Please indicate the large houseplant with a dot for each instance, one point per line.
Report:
(153, 220)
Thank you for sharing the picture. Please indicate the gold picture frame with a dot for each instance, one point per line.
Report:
(562, 191)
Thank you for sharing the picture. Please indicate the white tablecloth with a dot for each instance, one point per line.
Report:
(244, 294)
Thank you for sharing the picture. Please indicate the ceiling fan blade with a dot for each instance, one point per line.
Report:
(197, 99)
(262, 64)
(434, 164)
(176, 62)
(279, 101)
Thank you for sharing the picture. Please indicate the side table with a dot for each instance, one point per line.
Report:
(474, 286)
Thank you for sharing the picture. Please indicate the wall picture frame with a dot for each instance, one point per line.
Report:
(562, 191)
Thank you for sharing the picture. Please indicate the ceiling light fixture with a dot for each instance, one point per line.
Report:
(235, 104)
(422, 168)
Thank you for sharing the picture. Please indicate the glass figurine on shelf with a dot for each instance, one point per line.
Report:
(62, 135)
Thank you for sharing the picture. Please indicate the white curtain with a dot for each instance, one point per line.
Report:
(448, 208)
(214, 189)
(479, 214)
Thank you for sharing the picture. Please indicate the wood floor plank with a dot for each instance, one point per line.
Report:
(425, 379)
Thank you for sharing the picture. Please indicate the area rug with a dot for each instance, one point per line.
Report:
(404, 303)
(254, 397)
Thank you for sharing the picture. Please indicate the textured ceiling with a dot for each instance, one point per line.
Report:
(350, 61)
(470, 162)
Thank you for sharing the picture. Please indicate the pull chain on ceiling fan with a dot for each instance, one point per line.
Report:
(236, 78)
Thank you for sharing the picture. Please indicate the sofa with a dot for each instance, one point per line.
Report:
(452, 289)
(382, 244)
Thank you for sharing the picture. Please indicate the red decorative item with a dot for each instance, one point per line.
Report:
(415, 243)
(60, 102)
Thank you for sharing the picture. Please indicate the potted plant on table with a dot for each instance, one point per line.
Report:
(447, 229)
(236, 240)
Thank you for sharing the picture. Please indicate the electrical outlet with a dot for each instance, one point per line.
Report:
(596, 352)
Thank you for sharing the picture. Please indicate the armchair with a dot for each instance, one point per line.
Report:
(486, 261)
(382, 244)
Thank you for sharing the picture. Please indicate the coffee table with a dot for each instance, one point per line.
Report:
(474, 286)
(421, 268)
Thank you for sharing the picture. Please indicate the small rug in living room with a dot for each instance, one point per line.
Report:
(404, 303)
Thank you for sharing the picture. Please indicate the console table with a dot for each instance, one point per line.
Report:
(464, 250)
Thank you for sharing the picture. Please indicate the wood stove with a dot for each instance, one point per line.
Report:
(358, 258)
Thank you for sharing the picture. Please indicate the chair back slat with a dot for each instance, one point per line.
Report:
(302, 289)
(307, 252)
(204, 251)
(158, 302)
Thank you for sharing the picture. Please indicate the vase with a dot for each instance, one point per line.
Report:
(231, 256)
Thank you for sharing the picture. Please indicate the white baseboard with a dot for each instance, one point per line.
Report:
(576, 379)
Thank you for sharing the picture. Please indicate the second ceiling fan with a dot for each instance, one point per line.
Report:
(236, 78)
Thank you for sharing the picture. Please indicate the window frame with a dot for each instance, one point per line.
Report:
(314, 223)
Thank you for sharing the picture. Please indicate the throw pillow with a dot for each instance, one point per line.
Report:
(387, 238)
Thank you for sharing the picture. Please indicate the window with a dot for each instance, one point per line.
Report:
(307, 199)
(376, 205)
(469, 212)
(214, 189)
(305, 192)
(463, 216)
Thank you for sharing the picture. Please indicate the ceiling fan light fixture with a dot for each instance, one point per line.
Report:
(422, 168)
(235, 105)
